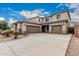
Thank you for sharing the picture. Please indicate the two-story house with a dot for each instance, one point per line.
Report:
(55, 23)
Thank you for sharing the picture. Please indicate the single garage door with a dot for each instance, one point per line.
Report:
(33, 29)
(57, 29)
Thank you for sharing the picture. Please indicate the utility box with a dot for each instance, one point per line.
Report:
(76, 30)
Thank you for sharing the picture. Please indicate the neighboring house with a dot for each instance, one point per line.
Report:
(55, 23)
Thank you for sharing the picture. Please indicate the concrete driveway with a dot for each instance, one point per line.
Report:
(39, 44)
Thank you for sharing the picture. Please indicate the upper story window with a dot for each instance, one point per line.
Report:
(42, 19)
(39, 20)
(47, 19)
(58, 16)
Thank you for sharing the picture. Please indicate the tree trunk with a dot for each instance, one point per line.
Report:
(15, 37)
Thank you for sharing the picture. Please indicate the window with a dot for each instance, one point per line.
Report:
(47, 19)
(39, 20)
(58, 16)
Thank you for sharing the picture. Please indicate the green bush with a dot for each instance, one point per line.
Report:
(4, 25)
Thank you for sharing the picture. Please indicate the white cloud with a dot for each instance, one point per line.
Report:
(74, 15)
(27, 14)
(11, 20)
(10, 10)
(2, 19)
(59, 5)
(69, 5)
(74, 19)
(63, 4)
(73, 5)
(33, 13)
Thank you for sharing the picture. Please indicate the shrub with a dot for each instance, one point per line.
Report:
(4, 25)
(15, 33)
(6, 33)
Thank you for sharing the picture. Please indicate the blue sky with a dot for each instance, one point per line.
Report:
(23, 11)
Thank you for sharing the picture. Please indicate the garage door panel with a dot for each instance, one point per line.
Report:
(57, 29)
(33, 29)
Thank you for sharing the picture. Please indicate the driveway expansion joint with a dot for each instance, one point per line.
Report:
(11, 50)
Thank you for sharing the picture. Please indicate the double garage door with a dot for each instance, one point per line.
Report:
(33, 29)
(57, 29)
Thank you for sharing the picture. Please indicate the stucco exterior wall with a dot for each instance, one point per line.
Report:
(27, 27)
(64, 16)
(36, 20)
(24, 28)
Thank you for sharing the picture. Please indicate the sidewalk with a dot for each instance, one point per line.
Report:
(73, 49)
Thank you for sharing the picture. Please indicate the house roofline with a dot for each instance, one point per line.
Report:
(26, 22)
(58, 13)
(41, 23)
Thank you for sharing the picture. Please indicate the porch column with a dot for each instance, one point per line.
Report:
(20, 28)
(64, 28)
(24, 31)
(50, 28)
(41, 28)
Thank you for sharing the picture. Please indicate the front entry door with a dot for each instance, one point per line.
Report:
(45, 28)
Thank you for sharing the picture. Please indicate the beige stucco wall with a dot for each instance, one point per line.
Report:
(32, 27)
(36, 20)
(64, 16)
(18, 26)
(23, 27)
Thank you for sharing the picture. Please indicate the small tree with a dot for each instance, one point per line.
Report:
(4, 25)
(16, 33)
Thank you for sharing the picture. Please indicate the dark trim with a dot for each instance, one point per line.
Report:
(32, 26)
